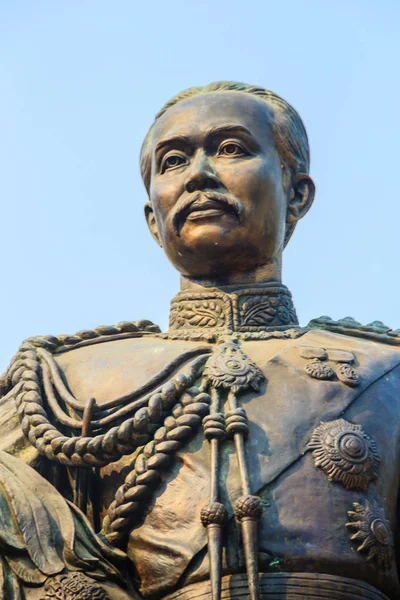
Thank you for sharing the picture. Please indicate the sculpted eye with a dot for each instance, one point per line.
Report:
(172, 161)
(231, 149)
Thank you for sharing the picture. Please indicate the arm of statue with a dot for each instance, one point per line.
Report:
(47, 546)
(12, 438)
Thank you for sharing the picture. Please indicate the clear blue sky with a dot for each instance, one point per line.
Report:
(80, 82)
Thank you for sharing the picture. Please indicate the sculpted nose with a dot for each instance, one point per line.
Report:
(202, 175)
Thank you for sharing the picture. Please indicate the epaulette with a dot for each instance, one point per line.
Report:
(375, 331)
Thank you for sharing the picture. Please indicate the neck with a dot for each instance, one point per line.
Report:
(246, 304)
(270, 273)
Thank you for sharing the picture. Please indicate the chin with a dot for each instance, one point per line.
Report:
(212, 254)
(204, 236)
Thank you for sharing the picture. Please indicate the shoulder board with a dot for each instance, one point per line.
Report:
(375, 331)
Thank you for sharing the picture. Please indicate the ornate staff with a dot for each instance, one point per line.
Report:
(214, 515)
(232, 370)
(248, 508)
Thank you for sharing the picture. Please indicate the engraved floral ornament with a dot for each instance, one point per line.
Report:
(231, 369)
(372, 532)
(345, 453)
(73, 586)
(200, 313)
(258, 312)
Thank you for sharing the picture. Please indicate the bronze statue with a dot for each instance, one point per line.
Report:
(237, 455)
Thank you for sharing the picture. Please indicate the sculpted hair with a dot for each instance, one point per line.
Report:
(287, 128)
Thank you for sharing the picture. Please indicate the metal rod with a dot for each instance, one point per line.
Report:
(84, 473)
(250, 545)
(214, 483)
(241, 456)
(214, 530)
(214, 542)
(249, 525)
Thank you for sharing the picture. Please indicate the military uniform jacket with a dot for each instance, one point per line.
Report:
(322, 451)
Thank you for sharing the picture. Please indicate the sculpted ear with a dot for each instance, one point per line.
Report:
(301, 197)
(151, 222)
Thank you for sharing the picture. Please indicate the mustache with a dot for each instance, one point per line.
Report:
(183, 206)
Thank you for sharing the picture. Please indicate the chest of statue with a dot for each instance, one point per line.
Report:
(322, 454)
(274, 454)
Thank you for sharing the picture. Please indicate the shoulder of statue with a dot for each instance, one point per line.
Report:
(85, 405)
(85, 337)
(376, 331)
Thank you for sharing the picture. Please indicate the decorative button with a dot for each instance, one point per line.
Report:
(346, 374)
(319, 370)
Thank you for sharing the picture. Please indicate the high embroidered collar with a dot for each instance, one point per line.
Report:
(265, 307)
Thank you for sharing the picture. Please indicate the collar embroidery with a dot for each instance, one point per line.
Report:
(263, 308)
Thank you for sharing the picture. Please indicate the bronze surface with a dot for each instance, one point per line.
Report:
(238, 454)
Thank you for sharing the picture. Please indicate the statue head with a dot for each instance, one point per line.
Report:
(226, 170)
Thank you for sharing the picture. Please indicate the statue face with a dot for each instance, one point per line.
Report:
(217, 185)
